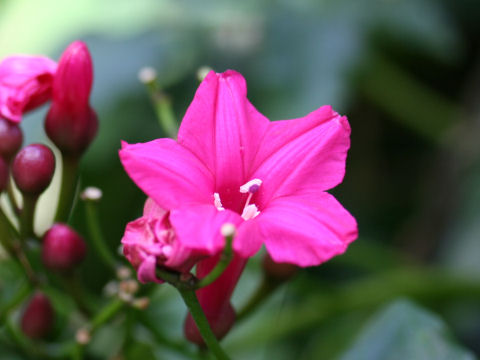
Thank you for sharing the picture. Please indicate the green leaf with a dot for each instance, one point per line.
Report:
(140, 350)
(403, 330)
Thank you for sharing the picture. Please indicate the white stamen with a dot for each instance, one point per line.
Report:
(217, 202)
(250, 212)
(147, 75)
(251, 186)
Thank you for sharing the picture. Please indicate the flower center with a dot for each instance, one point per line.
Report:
(249, 210)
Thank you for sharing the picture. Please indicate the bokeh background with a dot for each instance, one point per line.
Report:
(407, 75)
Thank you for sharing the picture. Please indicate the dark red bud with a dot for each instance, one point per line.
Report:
(11, 139)
(37, 318)
(62, 248)
(71, 123)
(3, 174)
(33, 169)
(279, 271)
(221, 322)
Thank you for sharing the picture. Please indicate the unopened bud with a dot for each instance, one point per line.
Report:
(202, 72)
(279, 271)
(33, 169)
(3, 175)
(37, 318)
(11, 139)
(129, 286)
(62, 248)
(124, 273)
(82, 336)
(91, 193)
(141, 303)
(147, 75)
(71, 123)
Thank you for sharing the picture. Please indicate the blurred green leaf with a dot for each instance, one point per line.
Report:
(140, 350)
(403, 330)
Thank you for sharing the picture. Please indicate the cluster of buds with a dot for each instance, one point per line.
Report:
(27, 82)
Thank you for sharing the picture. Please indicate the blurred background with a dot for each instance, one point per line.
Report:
(407, 75)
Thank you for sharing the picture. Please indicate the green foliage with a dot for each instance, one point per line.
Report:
(403, 330)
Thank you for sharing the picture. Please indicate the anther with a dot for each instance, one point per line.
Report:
(251, 187)
(217, 202)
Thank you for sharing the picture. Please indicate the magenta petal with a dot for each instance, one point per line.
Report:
(306, 230)
(25, 83)
(224, 130)
(168, 173)
(147, 271)
(198, 227)
(302, 154)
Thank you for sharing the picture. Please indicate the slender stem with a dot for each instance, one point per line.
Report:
(96, 236)
(27, 216)
(225, 259)
(105, 314)
(11, 197)
(68, 188)
(190, 299)
(5, 235)
(163, 109)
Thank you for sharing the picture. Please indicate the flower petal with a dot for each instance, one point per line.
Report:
(224, 130)
(302, 154)
(306, 229)
(168, 173)
(198, 227)
(25, 83)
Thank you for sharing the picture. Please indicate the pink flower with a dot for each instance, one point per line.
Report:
(71, 123)
(25, 83)
(152, 240)
(231, 164)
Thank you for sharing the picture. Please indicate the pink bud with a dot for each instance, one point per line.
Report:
(3, 175)
(25, 83)
(151, 240)
(71, 123)
(278, 271)
(37, 318)
(62, 248)
(33, 168)
(11, 139)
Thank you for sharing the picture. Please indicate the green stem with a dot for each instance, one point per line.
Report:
(225, 259)
(97, 240)
(163, 109)
(11, 197)
(27, 216)
(5, 235)
(68, 188)
(105, 314)
(190, 299)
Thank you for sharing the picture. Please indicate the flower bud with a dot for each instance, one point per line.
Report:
(25, 84)
(151, 240)
(62, 248)
(37, 318)
(71, 123)
(3, 175)
(278, 271)
(33, 169)
(11, 139)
